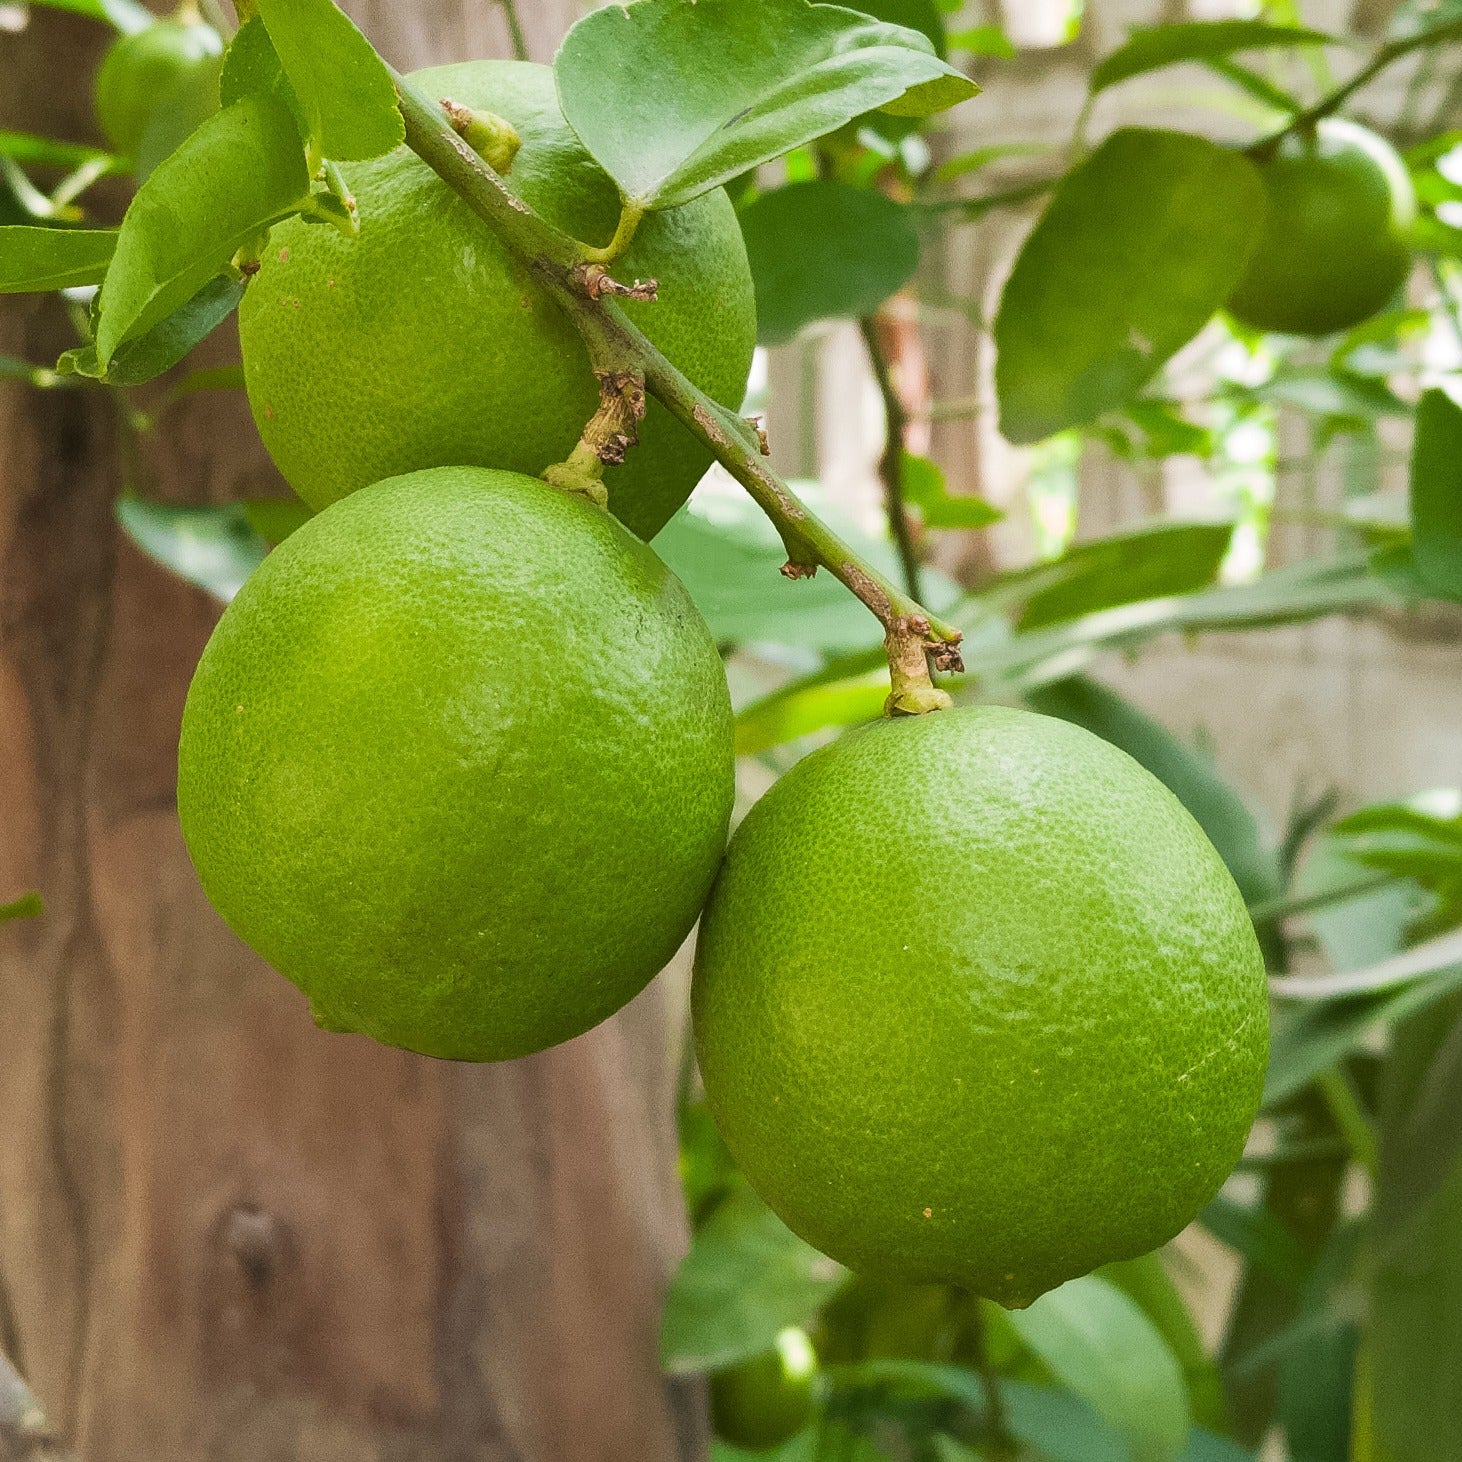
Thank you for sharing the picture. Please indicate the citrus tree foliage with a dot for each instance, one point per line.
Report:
(816, 120)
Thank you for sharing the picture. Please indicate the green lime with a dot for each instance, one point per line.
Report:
(458, 762)
(768, 1399)
(1334, 248)
(424, 343)
(141, 69)
(976, 1002)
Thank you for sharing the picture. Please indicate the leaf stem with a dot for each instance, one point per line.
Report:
(615, 345)
(1332, 101)
(629, 221)
(890, 464)
(509, 9)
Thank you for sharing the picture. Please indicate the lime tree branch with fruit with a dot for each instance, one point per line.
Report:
(977, 1002)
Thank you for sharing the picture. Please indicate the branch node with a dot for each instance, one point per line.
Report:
(493, 138)
(794, 570)
(596, 282)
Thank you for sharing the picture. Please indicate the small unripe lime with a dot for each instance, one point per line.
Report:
(976, 1002)
(424, 342)
(1334, 248)
(138, 71)
(768, 1399)
(458, 762)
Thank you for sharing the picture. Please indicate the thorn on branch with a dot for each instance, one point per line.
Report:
(596, 282)
(763, 442)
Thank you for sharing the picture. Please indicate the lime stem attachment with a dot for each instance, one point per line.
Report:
(607, 437)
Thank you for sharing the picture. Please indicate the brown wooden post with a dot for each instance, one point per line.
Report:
(224, 1234)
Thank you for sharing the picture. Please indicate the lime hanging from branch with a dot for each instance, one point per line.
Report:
(977, 1003)
(425, 343)
(458, 762)
(1334, 248)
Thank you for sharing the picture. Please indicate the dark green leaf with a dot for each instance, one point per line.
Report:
(1414, 1396)
(162, 347)
(1436, 494)
(27, 906)
(47, 152)
(825, 250)
(1187, 773)
(674, 97)
(747, 1277)
(1155, 46)
(241, 171)
(1140, 245)
(214, 548)
(1100, 1345)
(1259, 1236)
(1061, 1426)
(35, 259)
(924, 486)
(346, 96)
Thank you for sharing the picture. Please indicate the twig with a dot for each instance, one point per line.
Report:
(615, 345)
(1332, 101)
(891, 463)
(515, 29)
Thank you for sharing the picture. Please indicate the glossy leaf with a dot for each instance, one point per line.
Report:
(242, 170)
(27, 906)
(746, 1278)
(1140, 245)
(1152, 47)
(825, 250)
(162, 347)
(346, 96)
(213, 548)
(674, 97)
(1098, 1343)
(1436, 494)
(1187, 772)
(35, 259)
(925, 16)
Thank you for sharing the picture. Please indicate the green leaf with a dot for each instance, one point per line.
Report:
(214, 548)
(1186, 772)
(746, 1278)
(675, 97)
(983, 40)
(346, 95)
(1155, 46)
(162, 347)
(924, 486)
(1097, 1342)
(825, 250)
(1059, 1425)
(128, 16)
(252, 66)
(1143, 563)
(241, 171)
(1146, 1282)
(1141, 244)
(48, 152)
(1412, 1398)
(35, 259)
(1259, 1236)
(1436, 494)
(27, 906)
(729, 556)
(921, 15)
